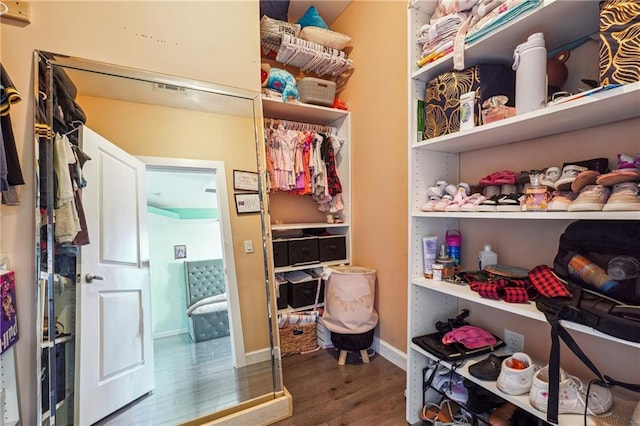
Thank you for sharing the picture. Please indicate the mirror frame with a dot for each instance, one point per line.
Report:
(80, 64)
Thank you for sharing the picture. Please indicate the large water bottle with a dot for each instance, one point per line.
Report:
(530, 64)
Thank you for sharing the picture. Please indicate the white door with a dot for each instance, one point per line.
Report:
(114, 346)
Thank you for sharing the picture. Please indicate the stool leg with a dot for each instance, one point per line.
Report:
(343, 357)
(365, 356)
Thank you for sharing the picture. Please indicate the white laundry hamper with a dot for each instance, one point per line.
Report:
(349, 312)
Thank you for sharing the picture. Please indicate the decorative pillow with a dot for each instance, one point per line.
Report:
(325, 37)
(270, 27)
(312, 18)
(276, 9)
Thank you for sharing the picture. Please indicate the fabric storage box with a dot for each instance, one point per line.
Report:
(304, 293)
(297, 339)
(316, 91)
(283, 299)
(280, 253)
(332, 247)
(442, 95)
(619, 27)
(302, 250)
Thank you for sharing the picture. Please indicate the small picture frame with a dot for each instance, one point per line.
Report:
(180, 251)
(245, 181)
(247, 203)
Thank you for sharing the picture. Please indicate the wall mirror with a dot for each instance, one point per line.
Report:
(153, 296)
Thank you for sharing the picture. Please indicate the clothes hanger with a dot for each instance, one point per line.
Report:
(77, 124)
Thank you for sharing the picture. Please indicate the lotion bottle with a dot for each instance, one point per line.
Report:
(487, 257)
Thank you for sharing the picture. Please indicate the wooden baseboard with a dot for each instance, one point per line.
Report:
(261, 411)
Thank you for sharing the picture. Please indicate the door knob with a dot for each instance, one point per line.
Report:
(90, 277)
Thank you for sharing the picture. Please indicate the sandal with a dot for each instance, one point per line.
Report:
(444, 412)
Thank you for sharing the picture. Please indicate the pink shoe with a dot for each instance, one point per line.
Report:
(442, 204)
(458, 200)
(472, 203)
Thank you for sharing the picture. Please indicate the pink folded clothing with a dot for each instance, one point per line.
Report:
(470, 336)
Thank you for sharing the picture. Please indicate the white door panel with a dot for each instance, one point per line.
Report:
(114, 350)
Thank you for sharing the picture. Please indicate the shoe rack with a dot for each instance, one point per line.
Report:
(601, 125)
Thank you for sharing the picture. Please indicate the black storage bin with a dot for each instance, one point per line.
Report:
(280, 253)
(303, 250)
(332, 247)
(283, 299)
(304, 293)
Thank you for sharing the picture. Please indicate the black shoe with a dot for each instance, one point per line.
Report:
(600, 165)
(488, 368)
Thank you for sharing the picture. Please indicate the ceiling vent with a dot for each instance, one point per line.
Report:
(170, 88)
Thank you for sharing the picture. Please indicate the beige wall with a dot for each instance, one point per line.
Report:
(211, 41)
(377, 98)
(153, 131)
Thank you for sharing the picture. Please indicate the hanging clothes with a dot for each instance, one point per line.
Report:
(303, 162)
(10, 170)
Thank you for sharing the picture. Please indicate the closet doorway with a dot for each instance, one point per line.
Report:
(188, 212)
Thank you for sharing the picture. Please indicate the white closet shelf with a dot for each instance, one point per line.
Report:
(299, 111)
(310, 265)
(309, 225)
(597, 215)
(527, 310)
(609, 106)
(521, 401)
(289, 309)
(584, 21)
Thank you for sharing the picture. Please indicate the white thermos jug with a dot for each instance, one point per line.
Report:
(530, 65)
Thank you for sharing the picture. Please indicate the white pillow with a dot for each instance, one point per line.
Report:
(325, 37)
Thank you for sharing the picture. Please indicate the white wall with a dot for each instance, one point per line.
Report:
(168, 291)
(216, 41)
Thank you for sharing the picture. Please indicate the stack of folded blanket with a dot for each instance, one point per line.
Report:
(452, 20)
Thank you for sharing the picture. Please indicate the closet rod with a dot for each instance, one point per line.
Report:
(297, 125)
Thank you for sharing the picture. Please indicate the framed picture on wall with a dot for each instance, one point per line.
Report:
(180, 252)
(245, 181)
(247, 203)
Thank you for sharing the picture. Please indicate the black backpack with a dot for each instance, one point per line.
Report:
(616, 313)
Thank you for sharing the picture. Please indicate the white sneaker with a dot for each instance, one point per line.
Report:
(573, 395)
(515, 381)
(539, 393)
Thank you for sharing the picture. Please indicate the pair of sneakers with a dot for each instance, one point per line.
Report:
(624, 196)
(442, 194)
(573, 396)
(519, 375)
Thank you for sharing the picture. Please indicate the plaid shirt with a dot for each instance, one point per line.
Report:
(509, 290)
(547, 283)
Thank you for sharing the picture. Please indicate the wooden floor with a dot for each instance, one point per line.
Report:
(327, 394)
(192, 380)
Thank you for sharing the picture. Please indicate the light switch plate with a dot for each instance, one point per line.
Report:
(18, 10)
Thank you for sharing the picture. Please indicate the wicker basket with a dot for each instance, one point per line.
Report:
(298, 339)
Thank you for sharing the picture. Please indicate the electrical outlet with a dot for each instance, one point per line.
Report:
(514, 341)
